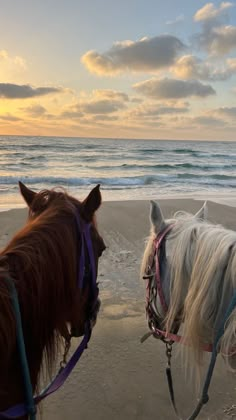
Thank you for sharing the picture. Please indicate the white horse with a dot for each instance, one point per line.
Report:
(190, 267)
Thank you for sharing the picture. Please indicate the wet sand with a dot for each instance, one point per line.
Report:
(117, 377)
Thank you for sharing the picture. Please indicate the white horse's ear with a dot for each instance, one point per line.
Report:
(202, 213)
(156, 217)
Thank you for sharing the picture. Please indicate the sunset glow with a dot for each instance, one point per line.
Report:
(125, 70)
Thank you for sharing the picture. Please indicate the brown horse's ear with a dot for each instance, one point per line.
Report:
(26, 193)
(92, 203)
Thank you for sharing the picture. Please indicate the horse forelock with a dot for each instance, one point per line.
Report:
(147, 252)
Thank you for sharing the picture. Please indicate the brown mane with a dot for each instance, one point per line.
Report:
(42, 260)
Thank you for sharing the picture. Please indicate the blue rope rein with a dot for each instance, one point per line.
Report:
(29, 396)
(205, 398)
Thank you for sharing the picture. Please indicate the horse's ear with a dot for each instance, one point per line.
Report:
(26, 193)
(202, 213)
(92, 203)
(156, 217)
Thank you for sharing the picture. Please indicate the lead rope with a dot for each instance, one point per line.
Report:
(169, 377)
(204, 397)
(31, 408)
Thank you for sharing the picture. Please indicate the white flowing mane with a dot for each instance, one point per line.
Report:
(202, 264)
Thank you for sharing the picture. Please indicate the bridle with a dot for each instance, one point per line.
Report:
(156, 320)
(86, 272)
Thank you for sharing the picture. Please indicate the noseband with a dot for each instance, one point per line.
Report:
(86, 272)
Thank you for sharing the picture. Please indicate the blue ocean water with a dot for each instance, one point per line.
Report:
(126, 169)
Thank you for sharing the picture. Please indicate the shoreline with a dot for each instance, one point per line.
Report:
(223, 199)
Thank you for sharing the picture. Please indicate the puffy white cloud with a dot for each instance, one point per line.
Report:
(216, 37)
(173, 88)
(145, 55)
(191, 67)
(210, 12)
(221, 40)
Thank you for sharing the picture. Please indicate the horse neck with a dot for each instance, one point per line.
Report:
(42, 263)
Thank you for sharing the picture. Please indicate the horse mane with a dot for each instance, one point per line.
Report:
(39, 259)
(203, 278)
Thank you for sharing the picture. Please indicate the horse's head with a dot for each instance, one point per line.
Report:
(189, 264)
(76, 221)
(159, 265)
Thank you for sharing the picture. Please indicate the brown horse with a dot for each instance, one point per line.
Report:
(42, 259)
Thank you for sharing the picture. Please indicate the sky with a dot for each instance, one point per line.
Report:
(145, 69)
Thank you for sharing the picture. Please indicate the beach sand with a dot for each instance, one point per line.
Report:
(117, 377)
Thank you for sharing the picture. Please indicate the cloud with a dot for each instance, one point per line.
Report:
(110, 94)
(209, 12)
(35, 110)
(178, 19)
(3, 54)
(12, 61)
(221, 40)
(102, 106)
(173, 88)
(136, 100)
(152, 110)
(208, 121)
(216, 37)
(145, 55)
(102, 117)
(232, 64)
(72, 114)
(101, 101)
(191, 67)
(9, 117)
(12, 91)
(227, 111)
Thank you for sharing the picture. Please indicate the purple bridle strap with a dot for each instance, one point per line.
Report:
(84, 229)
(21, 410)
(89, 244)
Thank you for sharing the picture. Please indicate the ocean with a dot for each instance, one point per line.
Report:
(126, 169)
